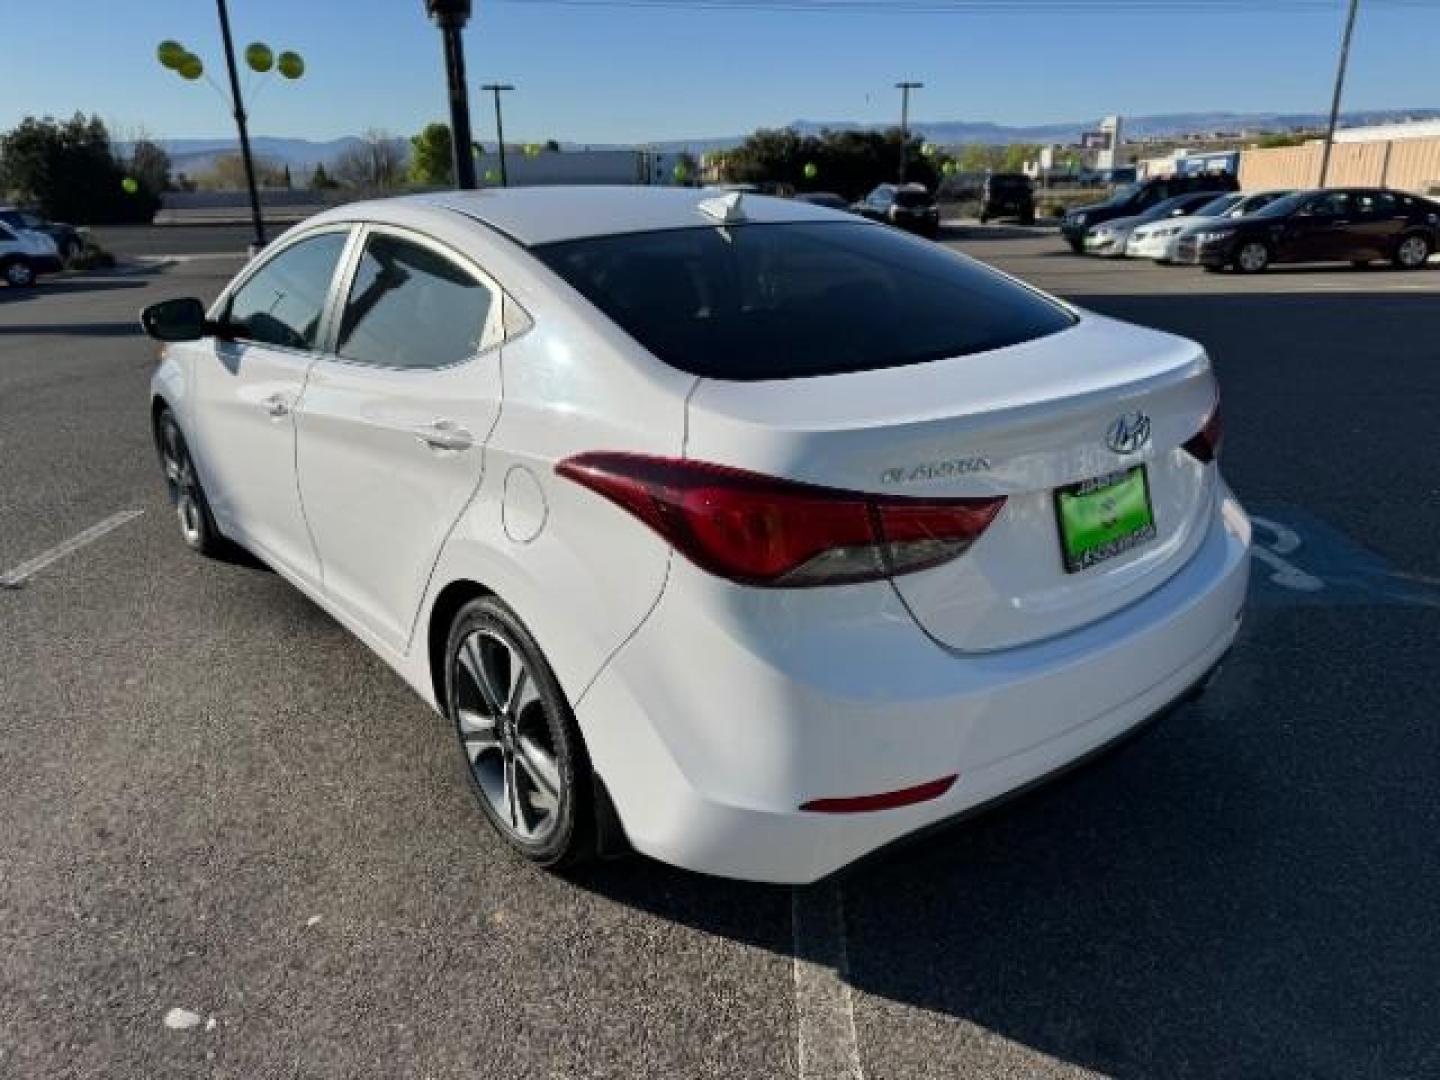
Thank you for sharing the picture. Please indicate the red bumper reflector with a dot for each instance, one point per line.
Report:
(863, 804)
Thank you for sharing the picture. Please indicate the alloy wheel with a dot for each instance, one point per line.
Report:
(1253, 258)
(1413, 252)
(505, 731)
(180, 481)
(19, 273)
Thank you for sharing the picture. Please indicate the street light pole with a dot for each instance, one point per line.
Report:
(451, 16)
(905, 88)
(497, 89)
(240, 123)
(1339, 88)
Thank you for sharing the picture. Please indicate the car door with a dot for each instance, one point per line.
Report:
(1379, 222)
(1319, 230)
(392, 429)
(247, 386)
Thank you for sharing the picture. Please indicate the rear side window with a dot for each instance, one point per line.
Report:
(410, 307)
(793, 300)
(281, 303)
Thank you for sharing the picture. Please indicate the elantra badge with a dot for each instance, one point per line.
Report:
(1129, 433)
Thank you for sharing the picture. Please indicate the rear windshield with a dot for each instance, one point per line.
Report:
(912, 199)
(783, 301)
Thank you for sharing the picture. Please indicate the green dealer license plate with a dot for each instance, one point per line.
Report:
(1104, 517)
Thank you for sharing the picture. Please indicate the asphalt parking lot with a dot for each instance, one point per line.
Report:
(213, 799)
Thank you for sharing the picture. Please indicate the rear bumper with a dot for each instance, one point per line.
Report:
(709, 742)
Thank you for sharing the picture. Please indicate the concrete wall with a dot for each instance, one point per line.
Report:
(1407, 164)
(569, 167)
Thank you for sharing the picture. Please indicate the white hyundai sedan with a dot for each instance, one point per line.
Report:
(742, 531)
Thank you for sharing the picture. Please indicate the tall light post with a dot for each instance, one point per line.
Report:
(451, 16)
(1339, 89)
(905, 88)
(497, 89)
(188, 66)
(239, 104)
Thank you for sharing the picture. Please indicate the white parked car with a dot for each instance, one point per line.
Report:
(1110, 239)
(746, 531)
(25, 255)
(1158, 240)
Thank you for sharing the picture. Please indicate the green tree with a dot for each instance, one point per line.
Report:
(69, 170)
(149, 164)
(849, 163)
(432, 161)
(1279, 139)
(320, 179)
(1017, 155)
(552, 146)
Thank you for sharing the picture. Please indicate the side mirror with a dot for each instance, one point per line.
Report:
(175, 320)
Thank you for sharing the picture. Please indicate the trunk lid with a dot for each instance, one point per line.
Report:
(1018, 422)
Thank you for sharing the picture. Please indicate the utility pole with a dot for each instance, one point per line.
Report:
(451, 16)
(905, 88)
(259, 222)
(1339, 88)
(497, 89)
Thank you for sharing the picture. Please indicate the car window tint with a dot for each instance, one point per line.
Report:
(6, 234)
(912, 199)
(781, 301)
(1331, 204)
(282, 302)
(411, 307)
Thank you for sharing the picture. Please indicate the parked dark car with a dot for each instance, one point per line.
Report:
(910, 207)
(827, 199)
(1008, 195)
(66, 237)
(1355, 225)
(1134, 199)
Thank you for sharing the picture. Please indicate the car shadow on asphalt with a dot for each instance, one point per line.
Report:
(129, 328)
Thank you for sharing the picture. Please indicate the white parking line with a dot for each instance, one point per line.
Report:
(824, 1011)
(14, 578)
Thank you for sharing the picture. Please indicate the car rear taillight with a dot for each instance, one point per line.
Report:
(1204, 445)
(759, 530)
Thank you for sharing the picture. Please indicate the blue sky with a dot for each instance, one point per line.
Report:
(628, 74)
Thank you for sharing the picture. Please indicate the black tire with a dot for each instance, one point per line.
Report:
(18, 272)
(69, 251)
(1028, 219)
(1412, 252)
(182, 484)
(1077, 246)
(1253, 257)
(502, 759)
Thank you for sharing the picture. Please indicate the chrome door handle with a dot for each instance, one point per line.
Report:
(445, 435)
(276, 405)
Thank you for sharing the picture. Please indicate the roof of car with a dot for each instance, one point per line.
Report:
(545, 215)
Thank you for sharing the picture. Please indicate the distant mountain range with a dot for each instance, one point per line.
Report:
(302, 155)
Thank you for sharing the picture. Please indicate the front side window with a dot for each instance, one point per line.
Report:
(410, 307)
(783, 301)
(1331, 204)
(282, 302)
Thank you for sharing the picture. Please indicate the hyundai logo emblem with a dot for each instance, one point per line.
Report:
(1129, 433)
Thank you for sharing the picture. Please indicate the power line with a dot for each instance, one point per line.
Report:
(971, 7)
